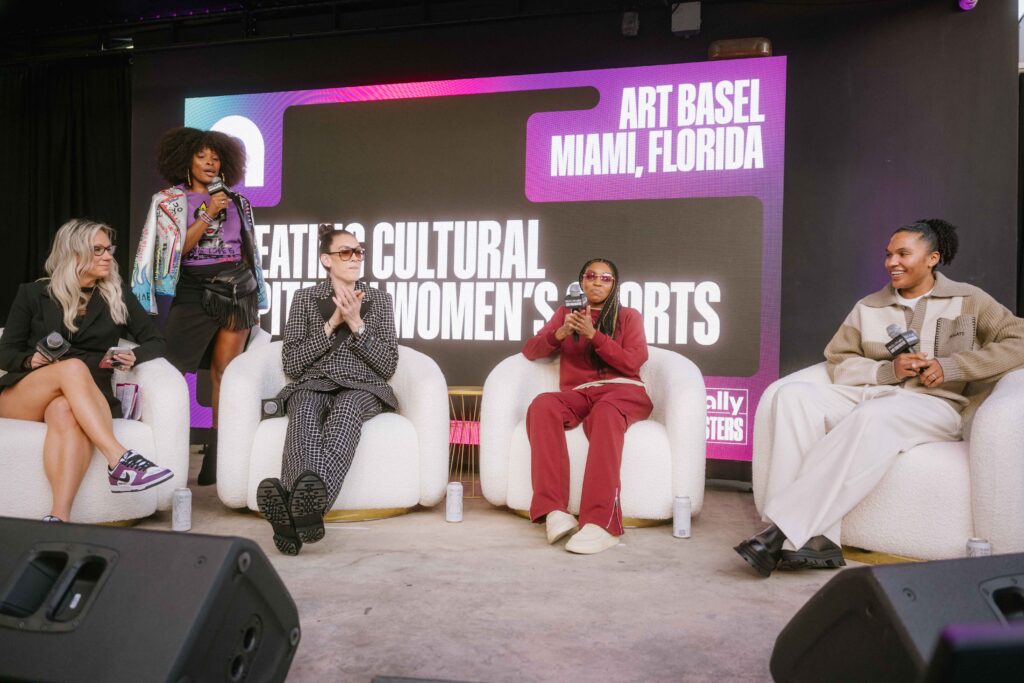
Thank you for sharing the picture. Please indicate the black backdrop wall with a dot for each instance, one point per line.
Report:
(895, 111)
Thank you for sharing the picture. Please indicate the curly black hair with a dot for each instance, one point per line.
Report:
(940, 235)
(177, 147)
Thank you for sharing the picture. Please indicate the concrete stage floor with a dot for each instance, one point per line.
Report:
(489, 600)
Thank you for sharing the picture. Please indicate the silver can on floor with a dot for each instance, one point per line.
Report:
(453, 503)
(181, 510)
(681, 509)
(978, 547)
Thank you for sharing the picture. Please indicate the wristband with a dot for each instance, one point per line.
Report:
(205, 217)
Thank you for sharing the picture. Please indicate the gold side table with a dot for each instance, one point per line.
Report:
(464, 438)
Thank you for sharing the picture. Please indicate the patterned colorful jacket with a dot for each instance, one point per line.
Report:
(158, 259)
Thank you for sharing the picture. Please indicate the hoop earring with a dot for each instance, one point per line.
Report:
(188, 178)
(222, 178)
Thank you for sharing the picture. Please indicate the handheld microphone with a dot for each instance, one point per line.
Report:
(575, 300)
(53, 346)
(902, 341)
(217, 185)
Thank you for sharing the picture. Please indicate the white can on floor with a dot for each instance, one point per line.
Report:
(978, 547)
(181, 510)
(681, 517)
(453, 502)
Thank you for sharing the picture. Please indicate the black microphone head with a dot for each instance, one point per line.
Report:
(215, 186)
(575, 299)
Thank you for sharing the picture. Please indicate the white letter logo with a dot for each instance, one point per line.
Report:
(250, 135)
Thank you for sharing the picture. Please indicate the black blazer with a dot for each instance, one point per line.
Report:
(34, 315)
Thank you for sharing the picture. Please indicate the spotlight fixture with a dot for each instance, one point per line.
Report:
(967, 4)
(630, 24)
(113, 43)
(686, 19)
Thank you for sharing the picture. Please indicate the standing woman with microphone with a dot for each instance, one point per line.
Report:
(198, 249)
(833, 443)
(602, 346)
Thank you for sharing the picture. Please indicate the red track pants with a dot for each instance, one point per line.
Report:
(605, 411)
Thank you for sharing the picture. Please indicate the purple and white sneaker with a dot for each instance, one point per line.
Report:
(134, 473)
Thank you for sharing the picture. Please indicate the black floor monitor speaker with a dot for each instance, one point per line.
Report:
(882, 624)
(92, 603)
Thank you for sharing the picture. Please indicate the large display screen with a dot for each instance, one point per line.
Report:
(479, 200)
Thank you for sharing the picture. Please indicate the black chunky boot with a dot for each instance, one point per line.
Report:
(208, 472)
(817, 553)
(762, 551)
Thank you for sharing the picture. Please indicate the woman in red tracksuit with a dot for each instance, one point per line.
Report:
(602, 349)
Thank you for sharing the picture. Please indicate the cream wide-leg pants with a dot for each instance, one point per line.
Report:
(834, 443)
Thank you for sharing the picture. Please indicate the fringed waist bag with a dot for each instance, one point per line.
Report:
(232, 298)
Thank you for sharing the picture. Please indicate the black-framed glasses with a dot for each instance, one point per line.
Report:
(606, 278)
(98, 250)
(347, 253)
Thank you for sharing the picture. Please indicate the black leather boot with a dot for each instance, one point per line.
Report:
(817, 553)
(208, 472)
(763, 550)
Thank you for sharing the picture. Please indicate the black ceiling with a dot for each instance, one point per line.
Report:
(41, 29)
(47, 29)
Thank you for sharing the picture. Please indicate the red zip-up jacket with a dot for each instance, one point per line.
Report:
(624, 353)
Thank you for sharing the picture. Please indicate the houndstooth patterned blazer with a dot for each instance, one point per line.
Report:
(315, 361)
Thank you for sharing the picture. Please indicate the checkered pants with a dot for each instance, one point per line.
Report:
(323, 432)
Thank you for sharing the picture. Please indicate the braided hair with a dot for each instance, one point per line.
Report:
(940, 236)
(608, 319)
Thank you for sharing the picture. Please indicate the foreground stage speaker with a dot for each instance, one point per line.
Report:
(90, 603)
(882, 624)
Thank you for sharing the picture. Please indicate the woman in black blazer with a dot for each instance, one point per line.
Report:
(339, 351)
(82, 306)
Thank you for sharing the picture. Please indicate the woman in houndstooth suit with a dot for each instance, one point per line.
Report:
(339, 351)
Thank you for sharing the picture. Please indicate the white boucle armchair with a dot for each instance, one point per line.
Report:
(161, 435)
(662, 457)
(402, 458)
(936, 495)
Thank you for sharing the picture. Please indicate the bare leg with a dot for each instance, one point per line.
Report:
(67, 452)
(227, 345)
(29, 398)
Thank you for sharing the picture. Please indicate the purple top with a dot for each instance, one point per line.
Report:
(221, 242)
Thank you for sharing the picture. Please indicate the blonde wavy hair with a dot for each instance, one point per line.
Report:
(69, 259)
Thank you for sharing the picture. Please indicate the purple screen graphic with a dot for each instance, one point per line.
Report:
(668, 132)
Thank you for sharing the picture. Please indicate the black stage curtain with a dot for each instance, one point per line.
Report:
(1020, 196)
(65, 132)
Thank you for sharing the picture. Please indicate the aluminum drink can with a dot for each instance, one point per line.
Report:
(181, 510)
(681, 517)
(978, 547)
(453, 502)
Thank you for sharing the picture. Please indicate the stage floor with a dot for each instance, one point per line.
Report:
(488, 600)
